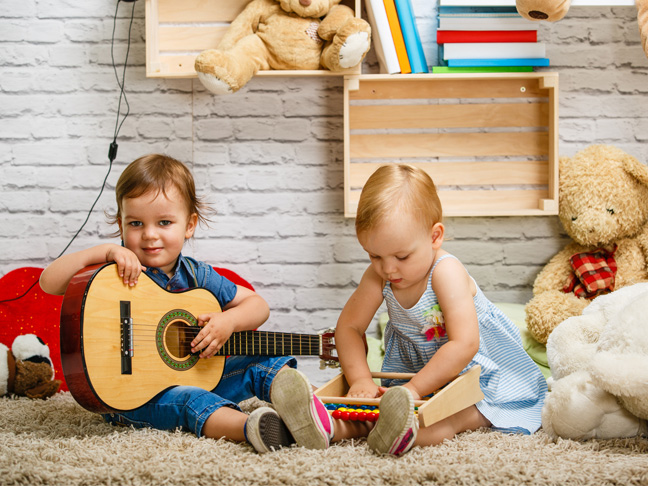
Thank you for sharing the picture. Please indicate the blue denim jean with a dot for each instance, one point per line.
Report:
(188, 407)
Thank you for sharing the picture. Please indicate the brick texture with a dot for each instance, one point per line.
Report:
(269, 158)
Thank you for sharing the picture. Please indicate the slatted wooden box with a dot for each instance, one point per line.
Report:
(178, 30)
(489, 141)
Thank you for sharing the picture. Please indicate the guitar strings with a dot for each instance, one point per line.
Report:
(238, 340)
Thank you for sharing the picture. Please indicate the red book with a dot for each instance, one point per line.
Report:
(452, 36)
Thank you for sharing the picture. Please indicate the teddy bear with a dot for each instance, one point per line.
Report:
(27, 369)
(603, 207)
(599, 366)
(554, 10)
(284, 34)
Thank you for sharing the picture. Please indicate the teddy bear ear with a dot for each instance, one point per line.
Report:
(636, 169)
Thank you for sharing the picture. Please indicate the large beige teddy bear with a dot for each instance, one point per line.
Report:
(286, 35)
(599, 366)
(554, 10)
(603, 206)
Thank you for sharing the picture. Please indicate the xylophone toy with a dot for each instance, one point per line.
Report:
(457, 395)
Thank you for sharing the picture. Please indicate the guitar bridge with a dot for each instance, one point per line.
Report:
(126, 337)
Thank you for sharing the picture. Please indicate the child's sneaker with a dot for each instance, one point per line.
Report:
(265, 430)
(303, 413)
(397, 426)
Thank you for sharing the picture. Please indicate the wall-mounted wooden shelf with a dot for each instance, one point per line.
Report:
(490, 142)
(178, 30)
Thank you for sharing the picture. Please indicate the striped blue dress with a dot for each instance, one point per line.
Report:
(513, 386)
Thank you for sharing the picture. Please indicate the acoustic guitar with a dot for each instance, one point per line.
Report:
(121, 346)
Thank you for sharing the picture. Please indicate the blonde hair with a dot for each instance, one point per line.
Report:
(158, 173)
(398, 187)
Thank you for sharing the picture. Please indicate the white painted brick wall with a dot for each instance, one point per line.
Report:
(269, 157)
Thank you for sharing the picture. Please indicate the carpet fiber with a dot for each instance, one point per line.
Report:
(57, 442)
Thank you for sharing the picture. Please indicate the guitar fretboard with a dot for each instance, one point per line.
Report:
(261, 343)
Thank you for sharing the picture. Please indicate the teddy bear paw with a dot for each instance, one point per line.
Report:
(215, 72)
(353, 50)
(348, 47)
(578, 409)
(214, 84)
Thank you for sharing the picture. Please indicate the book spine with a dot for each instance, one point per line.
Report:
(481, 69)
(498, 62)
(411, 36)
(495, 50)
(472, 3)
(481, 24)
(382, 38)
(397, 36)
(452, 36)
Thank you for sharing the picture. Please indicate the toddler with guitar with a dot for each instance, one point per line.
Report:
(157, 211)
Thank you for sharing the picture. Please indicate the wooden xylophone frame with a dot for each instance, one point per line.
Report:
(457, 395)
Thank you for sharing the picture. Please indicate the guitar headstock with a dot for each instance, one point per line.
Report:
(328, 352)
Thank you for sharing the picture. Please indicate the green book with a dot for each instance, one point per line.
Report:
(482, 69)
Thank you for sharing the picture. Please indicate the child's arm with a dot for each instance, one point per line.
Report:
(349, 333)
(55, 278)
(455, 290)
(247, 311)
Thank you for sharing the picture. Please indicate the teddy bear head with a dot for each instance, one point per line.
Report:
(603, 195)
(308, 8)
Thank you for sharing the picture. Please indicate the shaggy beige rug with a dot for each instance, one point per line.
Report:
(58, 442)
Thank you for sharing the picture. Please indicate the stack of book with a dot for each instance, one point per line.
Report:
(395, 37)
(486, 36)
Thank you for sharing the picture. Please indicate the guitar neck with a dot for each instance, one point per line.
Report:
(261, 343)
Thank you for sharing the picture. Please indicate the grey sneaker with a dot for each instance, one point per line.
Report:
(397, 426)
(303, 413)
(265, 430)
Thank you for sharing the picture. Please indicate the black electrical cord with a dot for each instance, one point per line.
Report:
(112, 150)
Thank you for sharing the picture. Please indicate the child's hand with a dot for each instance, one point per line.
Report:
(128, 265)
(215, 332)
(363, 389)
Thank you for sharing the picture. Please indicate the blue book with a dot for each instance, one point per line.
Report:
(411, 36)
(542, 61)
(471, 10)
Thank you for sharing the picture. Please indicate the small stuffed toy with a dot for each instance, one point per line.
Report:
(603, 207)
(27, 369)
(599, 366)
(287, 35)
(554, 10)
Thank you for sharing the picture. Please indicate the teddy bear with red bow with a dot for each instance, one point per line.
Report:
(603, 207)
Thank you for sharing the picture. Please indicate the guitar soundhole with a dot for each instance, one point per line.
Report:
(173, 337)
(178, 339)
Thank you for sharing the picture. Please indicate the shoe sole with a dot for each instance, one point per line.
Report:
(292, 396)
(271, 432)
(390, 430)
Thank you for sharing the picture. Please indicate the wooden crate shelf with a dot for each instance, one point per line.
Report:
(178, 30)
(489, 141)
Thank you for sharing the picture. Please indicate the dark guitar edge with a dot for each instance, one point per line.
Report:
(71, 339)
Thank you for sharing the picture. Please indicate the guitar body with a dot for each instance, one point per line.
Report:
(98, 374)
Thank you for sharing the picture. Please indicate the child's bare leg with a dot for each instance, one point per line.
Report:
(225, 422)
(348, 429)
(468, 419)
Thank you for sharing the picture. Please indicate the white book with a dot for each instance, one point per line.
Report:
(511, 3)
(483, 23)
(494, 50)
(382, 39)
